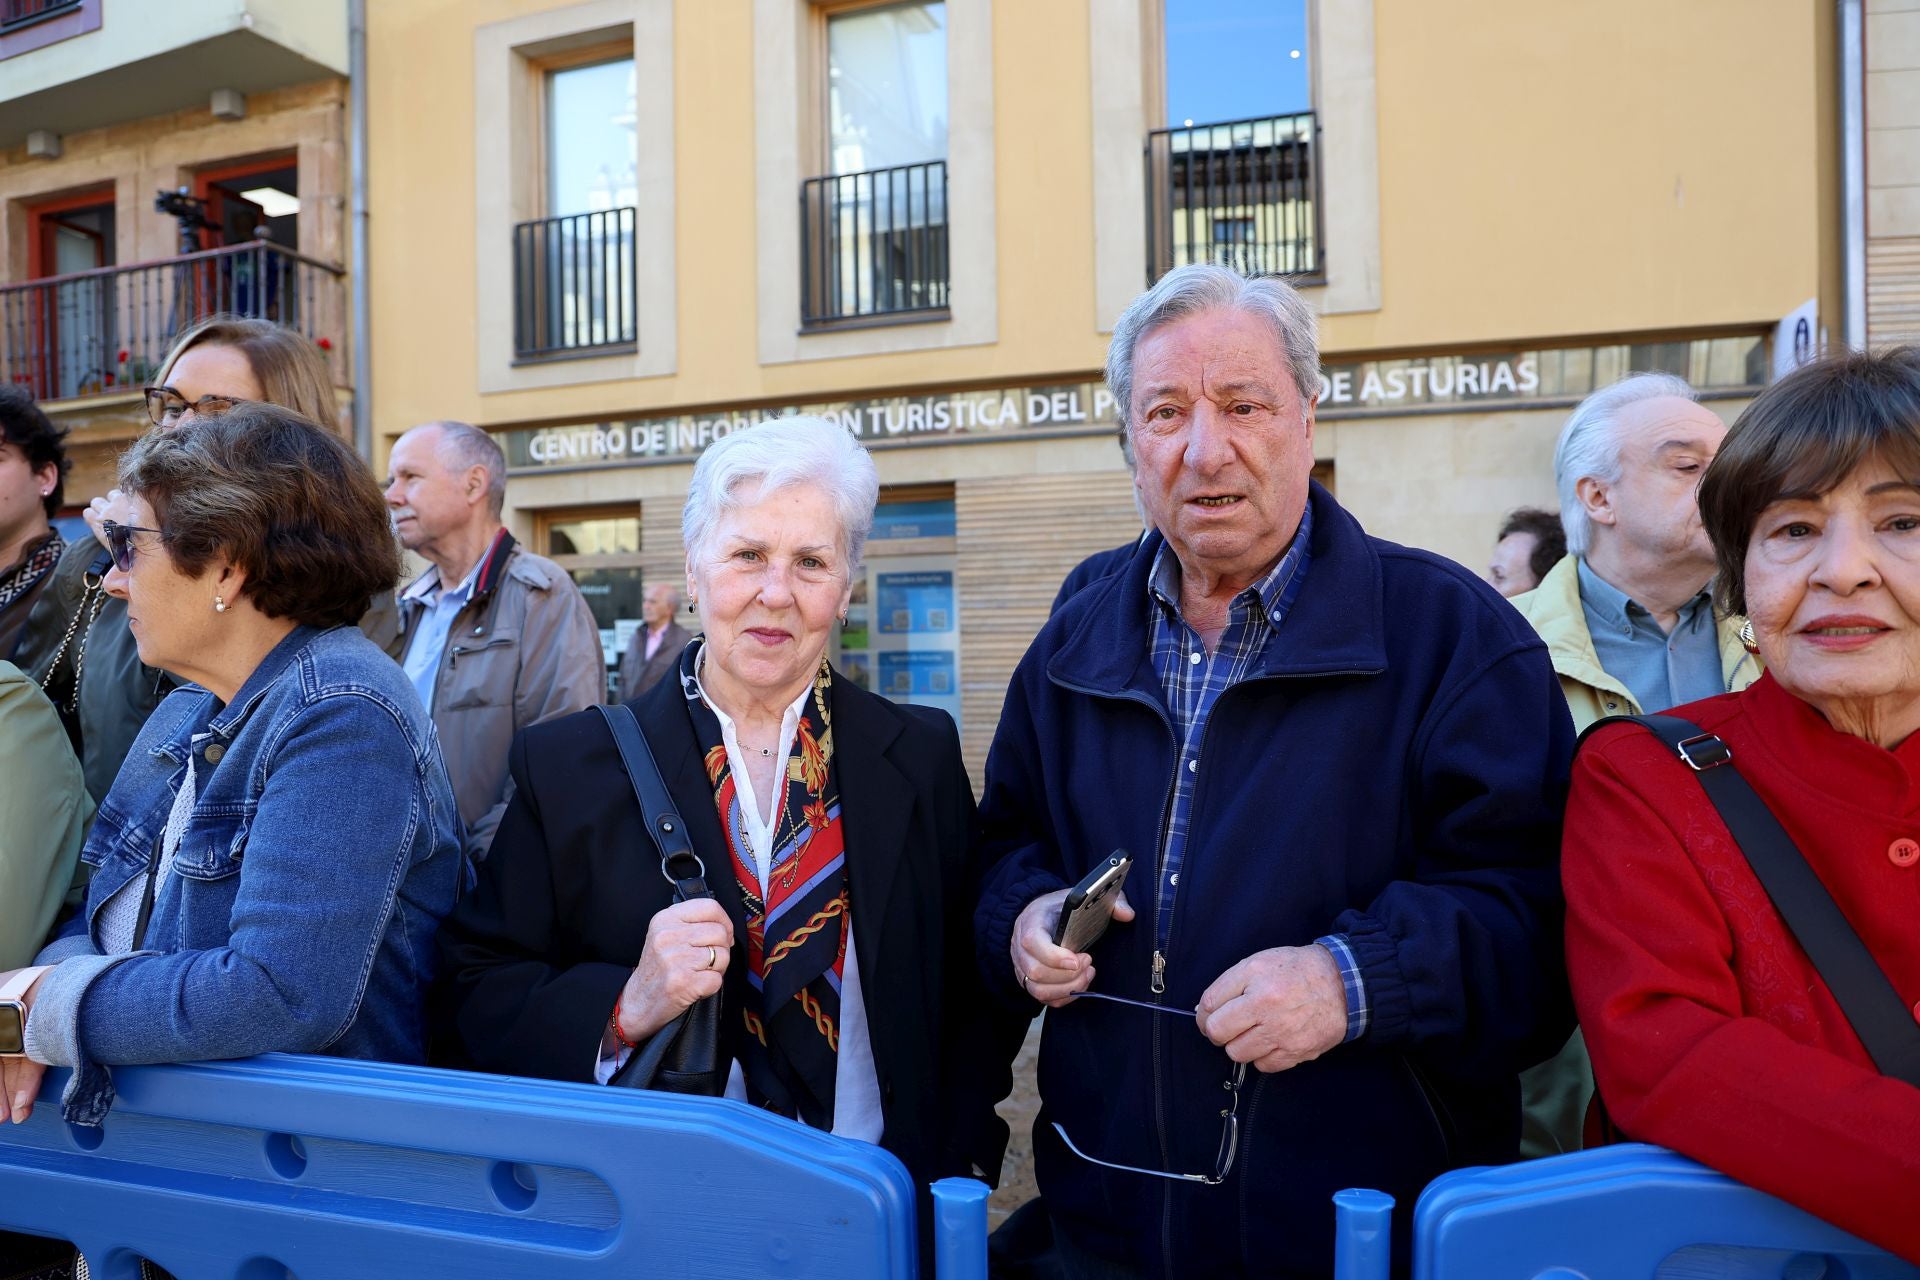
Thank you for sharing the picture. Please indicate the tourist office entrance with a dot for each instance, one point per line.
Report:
(990, 495)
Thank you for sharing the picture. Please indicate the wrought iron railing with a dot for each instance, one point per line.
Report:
(20, 12)
(874, 244)
(106, 330)
(1243, 193)
(573, 284)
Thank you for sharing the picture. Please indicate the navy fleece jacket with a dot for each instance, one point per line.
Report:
(1394, 769)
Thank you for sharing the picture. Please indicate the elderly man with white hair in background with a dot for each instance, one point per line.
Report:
(494, 637)
(655, 648)
(1628, 615)
(1339, 766)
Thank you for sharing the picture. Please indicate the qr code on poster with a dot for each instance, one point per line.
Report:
(937, 620)
(940, 682)
(903, 619)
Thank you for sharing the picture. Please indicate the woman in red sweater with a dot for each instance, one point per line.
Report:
(1710, 1029)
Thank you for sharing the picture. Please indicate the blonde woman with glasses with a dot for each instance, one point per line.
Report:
(75, 642)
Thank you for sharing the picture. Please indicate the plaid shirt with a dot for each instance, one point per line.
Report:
(1193, 681)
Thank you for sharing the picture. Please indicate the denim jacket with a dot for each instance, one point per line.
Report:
(321, 853)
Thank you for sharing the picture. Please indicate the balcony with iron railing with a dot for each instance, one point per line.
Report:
(107, 330)
(873, 246)
(574, 286)
(1242, 193)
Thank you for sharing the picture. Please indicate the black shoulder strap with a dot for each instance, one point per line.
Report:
(1878, 1014)
(678, 862)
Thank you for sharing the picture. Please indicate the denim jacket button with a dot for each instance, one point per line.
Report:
(213, 752)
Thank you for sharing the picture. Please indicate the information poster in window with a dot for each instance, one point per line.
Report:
(910, 603)
(911, 649)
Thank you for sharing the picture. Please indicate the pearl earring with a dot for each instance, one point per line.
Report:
(219, 605)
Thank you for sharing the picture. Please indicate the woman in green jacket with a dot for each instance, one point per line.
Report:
(44, 812)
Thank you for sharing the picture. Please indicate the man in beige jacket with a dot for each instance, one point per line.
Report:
(1628, 615)
(494, 637)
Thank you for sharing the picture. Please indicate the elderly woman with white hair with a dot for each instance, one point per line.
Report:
(836, 832)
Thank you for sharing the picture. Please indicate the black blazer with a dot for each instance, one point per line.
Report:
(537, 954)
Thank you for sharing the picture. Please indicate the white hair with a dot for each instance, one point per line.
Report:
(1589, 446)
(745, 466)
(1202, 286)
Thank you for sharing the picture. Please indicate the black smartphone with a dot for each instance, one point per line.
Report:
(1088, 910)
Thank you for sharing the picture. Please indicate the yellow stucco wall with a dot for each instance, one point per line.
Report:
(1545, 171)
(1560, 170)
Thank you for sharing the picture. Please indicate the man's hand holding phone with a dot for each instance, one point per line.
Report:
(1050, 973)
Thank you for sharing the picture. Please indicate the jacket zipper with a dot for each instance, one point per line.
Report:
(1157, 980)
(453, 654)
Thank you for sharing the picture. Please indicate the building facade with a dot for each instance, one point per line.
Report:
(1890, 40)
(612, 231)
(158, 164)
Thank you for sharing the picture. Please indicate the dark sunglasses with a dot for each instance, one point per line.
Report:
(165, 406)
(120, 542)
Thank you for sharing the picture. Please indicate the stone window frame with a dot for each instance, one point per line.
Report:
(509, 185)
(788, 51)
(1128, 55)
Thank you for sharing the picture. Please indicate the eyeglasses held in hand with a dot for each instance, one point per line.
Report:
(165, 406)
(1229, 1135)
(120, 542)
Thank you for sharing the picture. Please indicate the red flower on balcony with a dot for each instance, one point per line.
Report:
(325, 344)
(123, 357)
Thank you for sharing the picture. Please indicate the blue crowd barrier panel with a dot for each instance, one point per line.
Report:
(1629, 1212)
(318, 1168)
(959, 1229)
(1363, 1235)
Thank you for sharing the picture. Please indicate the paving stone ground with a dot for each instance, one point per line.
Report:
(1016, 1175)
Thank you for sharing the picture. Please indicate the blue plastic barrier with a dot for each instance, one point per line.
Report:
(1629, 1212)
(318, 1168)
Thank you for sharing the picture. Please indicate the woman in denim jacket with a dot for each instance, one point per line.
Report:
(278, 849)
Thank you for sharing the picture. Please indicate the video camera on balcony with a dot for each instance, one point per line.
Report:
(190, 212)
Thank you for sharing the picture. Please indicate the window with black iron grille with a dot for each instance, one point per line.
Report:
(574, 271)
(1233, 179)
(874, 244)
(873, 232)
(573, 284)
(1244, 194)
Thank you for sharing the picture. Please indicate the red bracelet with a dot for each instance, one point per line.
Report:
(613, 1025)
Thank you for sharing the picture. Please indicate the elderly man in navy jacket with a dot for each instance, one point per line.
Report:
(1339, 765)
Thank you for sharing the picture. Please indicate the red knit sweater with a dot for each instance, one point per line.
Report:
(1710, 1030)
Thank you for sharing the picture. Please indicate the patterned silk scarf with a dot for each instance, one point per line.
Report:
(36, 564)
(798, 924)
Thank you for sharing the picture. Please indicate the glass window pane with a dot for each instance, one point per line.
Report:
(594, 536)
(887, 86)
(1235, 60)
(590, 139)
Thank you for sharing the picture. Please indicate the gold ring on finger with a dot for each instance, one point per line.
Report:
(713, 958)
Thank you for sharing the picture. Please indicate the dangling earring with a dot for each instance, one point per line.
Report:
(1746, 637)
(219, 605)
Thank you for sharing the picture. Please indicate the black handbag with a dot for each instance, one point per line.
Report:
(683, 1056)
(1865, 994)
